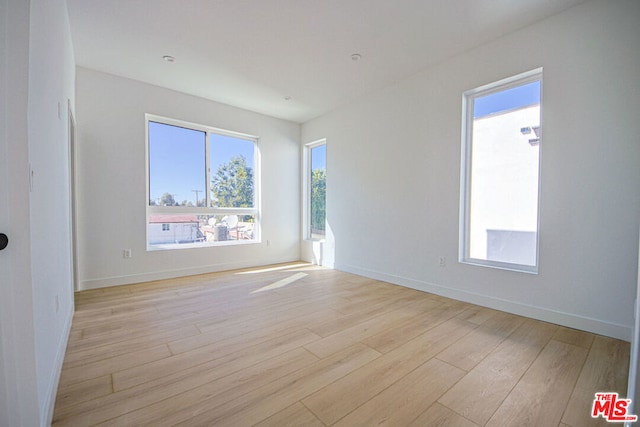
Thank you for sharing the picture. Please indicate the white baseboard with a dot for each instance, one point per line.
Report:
(570, 320)
(50, 402)
(128, 279)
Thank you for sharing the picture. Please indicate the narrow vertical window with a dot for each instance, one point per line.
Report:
(316, 189)
(500, 173)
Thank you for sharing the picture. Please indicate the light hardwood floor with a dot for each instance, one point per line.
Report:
(298, 345)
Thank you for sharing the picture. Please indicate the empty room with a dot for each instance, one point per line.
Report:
(180, 243)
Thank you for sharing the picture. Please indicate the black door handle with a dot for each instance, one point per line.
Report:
(4, 241)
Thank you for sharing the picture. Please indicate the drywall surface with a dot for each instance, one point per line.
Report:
(18, 377)
(393, 185)
(46, 318)
(51, 92)
(112, 182)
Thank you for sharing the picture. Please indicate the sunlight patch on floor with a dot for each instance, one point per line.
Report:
(282, 283)
(277, 268)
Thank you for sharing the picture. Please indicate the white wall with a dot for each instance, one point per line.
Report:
(18, 382)
(394, 172)
(51, 89)
(111, 182)
(37, 293)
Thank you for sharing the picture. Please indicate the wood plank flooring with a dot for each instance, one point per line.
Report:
(300, 345)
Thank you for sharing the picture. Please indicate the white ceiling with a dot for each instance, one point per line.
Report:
(254, 53)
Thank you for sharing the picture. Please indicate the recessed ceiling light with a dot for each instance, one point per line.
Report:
(169, 58)
(356, 57)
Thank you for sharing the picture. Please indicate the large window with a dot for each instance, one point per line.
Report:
(500, 173)
(202, 185)
(316, 189)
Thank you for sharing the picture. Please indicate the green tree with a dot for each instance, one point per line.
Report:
(318, 200)
(167, 200)
(232, 184)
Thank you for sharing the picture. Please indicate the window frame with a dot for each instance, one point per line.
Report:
(468, 98)
(207, 209)
(306, 170)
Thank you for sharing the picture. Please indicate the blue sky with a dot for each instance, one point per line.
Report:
(177, 160)
(519, 96)
(319, 157)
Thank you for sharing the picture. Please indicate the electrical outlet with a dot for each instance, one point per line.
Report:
(442, 261)
(126, 253)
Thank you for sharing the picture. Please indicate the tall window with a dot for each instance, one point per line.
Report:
(202, 185)
(500, 173)
(316, 184)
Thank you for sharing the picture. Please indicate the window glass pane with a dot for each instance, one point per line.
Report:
(165, 229)
(219, 228)
(318, 191)
(176, 166)
(192, 229)
(232, 165)
(209, 181)
(504, 176)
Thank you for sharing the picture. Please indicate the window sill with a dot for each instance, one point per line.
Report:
(179, 246)
(529, 269)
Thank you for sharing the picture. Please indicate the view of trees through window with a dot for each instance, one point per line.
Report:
(202, 185)
(232, 184)
(318, 191)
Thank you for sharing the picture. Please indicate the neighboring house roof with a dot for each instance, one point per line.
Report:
(172, 219)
